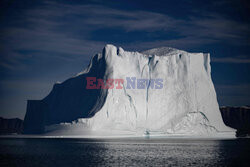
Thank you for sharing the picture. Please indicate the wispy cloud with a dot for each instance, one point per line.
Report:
(237, 60)
(63, 28)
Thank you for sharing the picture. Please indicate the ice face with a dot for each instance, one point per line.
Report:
(187, 90)
(185, 104)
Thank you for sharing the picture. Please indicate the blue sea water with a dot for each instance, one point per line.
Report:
(123, 152)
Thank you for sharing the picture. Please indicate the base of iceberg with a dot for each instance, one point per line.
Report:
(79, 129)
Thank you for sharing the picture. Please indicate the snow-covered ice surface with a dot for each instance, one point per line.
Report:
(185, 106)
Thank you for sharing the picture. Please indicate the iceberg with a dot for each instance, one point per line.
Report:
(161, 92)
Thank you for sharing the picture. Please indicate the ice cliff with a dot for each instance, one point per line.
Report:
(185, 105)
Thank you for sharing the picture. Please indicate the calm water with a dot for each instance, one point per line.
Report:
(124, 152)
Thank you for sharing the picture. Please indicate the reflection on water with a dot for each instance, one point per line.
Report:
(124, 152)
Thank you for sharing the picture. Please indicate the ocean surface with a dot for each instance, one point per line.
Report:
(123, 152)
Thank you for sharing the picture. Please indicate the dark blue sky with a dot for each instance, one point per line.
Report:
(49, 41)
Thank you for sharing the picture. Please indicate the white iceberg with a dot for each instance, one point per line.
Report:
(185, 105)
